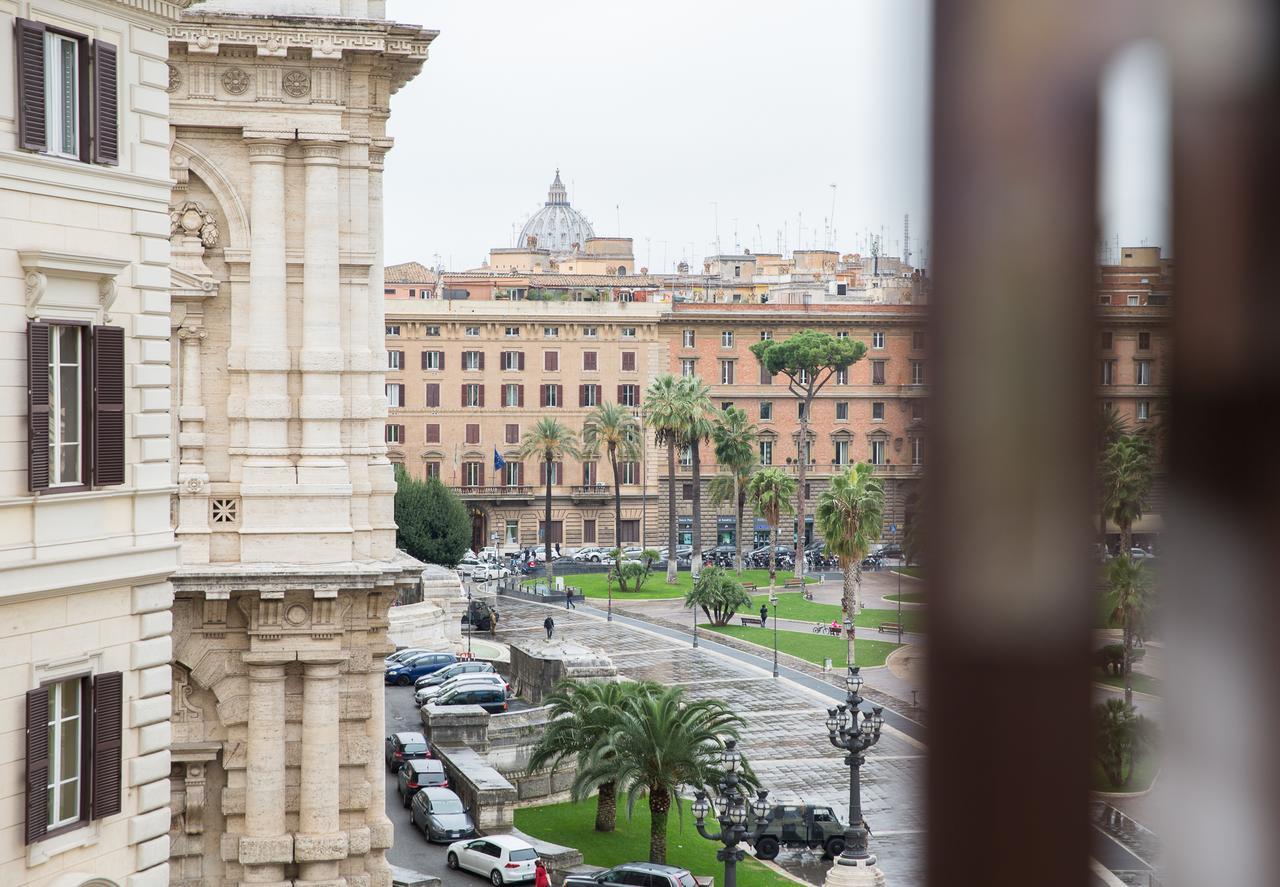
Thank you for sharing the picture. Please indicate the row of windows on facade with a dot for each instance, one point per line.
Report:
(1107, 340)
(1141, 409)
(512, 473)
(472, 395)
(728, 372)
(395, 330)
(628, 531)
(1107, 372)
(728, 338)
(509, 361)
(66, 98)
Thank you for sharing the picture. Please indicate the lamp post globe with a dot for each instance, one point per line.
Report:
(733, 812)
(854, 727)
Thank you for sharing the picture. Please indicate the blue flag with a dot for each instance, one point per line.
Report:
(498, 462)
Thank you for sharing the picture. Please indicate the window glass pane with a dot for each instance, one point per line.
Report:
(68, 344)
(68, 799)
(69, 754)
(69, 400)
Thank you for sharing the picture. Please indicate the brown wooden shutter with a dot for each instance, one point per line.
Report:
(38, 406)
(481, 387)
(480, 474)
(542, 395)
(559, 395)
(628, 361)
(108, 405)
(520, 395)
(522, 360)
(107, 726)
(106, 117)
(481, 360)
(33, 129)
(424, 359)
(621, 389)
(433, 394)
(765, 377)
(441, 353)
(559, 480)
(463, 395)
(520, 473)
(37, 764)
(582, 395)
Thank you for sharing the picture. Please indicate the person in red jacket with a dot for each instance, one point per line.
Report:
(540, 876)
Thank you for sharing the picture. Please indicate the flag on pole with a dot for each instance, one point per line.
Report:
(498, 462)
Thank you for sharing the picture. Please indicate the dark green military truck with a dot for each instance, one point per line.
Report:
(801, 825)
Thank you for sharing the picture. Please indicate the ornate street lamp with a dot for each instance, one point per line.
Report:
(854, 727)
(732, 809)
(773, 599)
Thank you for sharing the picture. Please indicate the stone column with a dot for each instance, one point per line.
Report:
(265, 847)
(267, 357)
(321, 358)
(381, 479)
(193, 476)
(359, 402)
(320, 842)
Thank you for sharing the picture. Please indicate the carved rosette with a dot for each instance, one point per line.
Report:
(235, 81)
(297, 83)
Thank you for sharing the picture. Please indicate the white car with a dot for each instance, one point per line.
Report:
(475, 679)
(485, 572)
(503, 859)
(467, 566)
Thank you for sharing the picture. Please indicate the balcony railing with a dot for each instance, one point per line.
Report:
(523, 491)
(822, 469)
(592, 491)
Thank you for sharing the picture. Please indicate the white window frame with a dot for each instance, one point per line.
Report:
(511, 474)
(395, 391)
(917, 372)
(471, 361)
(512, 332)
(59, 92)
(590, 332)
(510, 361)
(878, 451)
(686, 457)
(510, 394)
(629, 472)
(917, 451)
(57, 407)
(471, 398)
(472, 331)
(842, 452)
(842, 406)
(395, 360)
(1107, 376)
(553, 393)
(1134, 300)
(1142, 372)
(513, 531)
(842, 377)
(766, 411)
(57, 727)
(877, 340)
(689, 338)
(393, 433)
(551, 332)
(843, 334)
(628, 332)
(726, 372)
(471, 473)
(726, 338)
(629, 396)
(591, 394)
(434, 357)
(766, 336)
(688, 367)
(393, 330)
(1142, 409)
(766, 452)
(433, 331)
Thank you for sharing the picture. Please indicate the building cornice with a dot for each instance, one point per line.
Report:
(168, 9)
(325, 38)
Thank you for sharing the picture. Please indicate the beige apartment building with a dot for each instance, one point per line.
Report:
(466, 380)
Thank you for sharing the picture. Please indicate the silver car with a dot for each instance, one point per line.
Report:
(481, 679)
(441, 815)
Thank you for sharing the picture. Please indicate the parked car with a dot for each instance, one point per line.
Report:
(405, 746)
(440, 815)
(406, 672)
(437, 678)
(404, 653)
(419, 773)
(631, 874)
(427, 694)
(486, 572)
(503, 859)
(491, 699)
(801, 825)
(889, 551)
(467, 565)
(590, 555)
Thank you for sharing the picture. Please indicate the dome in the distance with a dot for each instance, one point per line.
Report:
(557, 226)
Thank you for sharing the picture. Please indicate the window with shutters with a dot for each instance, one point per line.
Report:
(766, 378)
(473, 474)
(75, 391)
(589, 395)
(62, 95)
(551, 396)
(395, 434)
(557, 473)
(512, 361)
(589, 361)
(590, 474)
(629, 472)
(473, 433)
(433, 470)
(511, 395)
(473, 360)
(589, 531)
(551, 361)
(65, 726)
(557, 532)
(472, 395)
(628, 361)
(628, 532)
(432, 396)
(433, 360)
(432, 434)
(513, 474)
(395, 395)
(395, 360)
(629, 395)
(67, 104)
(512, 435)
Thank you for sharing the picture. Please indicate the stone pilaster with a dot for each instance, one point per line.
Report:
(266, 847)
(381, 479)
(321, 358)
(320, 843)
(267, 357)
(193, 477)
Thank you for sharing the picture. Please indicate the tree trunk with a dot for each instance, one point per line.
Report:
(849, 604)
(659, 807)
(803, 459)
(773, 556)
(1126, 538)
(1124, 662)
(607, 806)
(695, 560)
(617, 512)
(737, 533)
(546, 533)
(671, 512)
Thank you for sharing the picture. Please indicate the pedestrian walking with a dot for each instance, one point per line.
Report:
(568, 598)
(550, 625)
(540, 876)
(557, 549)
(764, 614)
(493, 624)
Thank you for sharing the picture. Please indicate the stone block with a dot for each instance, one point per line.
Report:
(358, 841)
(146, 326)
(381, 833)
(153, 795)
(149, 768)
(150, 598)
(456, 725)
(403, 877)
(156, 625)
(355, 795)
(320, 848)
(156, 876)
(150, 711)
(262, 850)
(154, 737)
(153, 852)
(148, 825)
(156, 651)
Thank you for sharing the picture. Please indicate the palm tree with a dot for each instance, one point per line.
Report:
(1127, 475)
(550, 441)
(664, 407)
(660, 743)
(1132, 592)
(1119, 736)
(849, 516)
(616, 430)
(1111, 427)
(772, 493)
(698, 427)
(582, 715)
(735, 446)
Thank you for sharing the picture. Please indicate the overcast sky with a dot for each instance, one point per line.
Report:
(665, 115)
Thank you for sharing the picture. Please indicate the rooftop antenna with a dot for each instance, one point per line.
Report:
(875, 256)
(715, 206)
(800, 222)
(617, 208)
(737, 247)
(831, 243)
(906, 240)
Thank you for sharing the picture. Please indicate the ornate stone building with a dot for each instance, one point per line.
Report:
(284, 504)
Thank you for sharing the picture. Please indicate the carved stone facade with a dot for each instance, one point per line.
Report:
(284, 489)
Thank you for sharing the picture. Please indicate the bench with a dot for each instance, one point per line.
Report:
(889, 626)
(793, 582)
(752, 620)
(748, 586)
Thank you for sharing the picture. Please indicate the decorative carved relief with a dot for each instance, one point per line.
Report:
(107, 294)
(297, 82)
(192, 220)
(225, 511)
(36, 284)
(175, 78)
(235, 81)
(215, 616)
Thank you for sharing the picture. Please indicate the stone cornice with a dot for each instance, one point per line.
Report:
(170, 9)
(325, 38)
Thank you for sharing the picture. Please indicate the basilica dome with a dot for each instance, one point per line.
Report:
(557, 226)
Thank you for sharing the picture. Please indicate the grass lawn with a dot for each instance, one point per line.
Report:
(917, 572)
(1144, 771)
(1141, 683)
(595, 585)
(813, 647)
(794, 606)
(908, 597)
(573, 825)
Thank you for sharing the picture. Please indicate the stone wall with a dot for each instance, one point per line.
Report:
(538, 665)
(489, 797)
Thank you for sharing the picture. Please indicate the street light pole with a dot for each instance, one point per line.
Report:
(470, 625)
(732, 814)
(854, 727)
(773, 599)
(902, 563)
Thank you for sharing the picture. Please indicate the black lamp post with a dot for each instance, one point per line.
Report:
(773, 599)
(855, 727)
(731, 810)
(470, 626)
